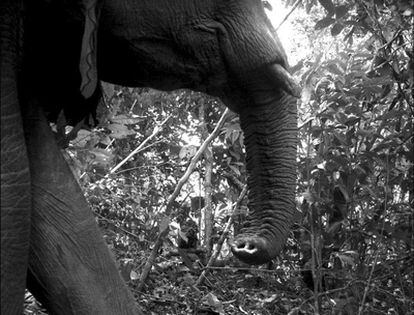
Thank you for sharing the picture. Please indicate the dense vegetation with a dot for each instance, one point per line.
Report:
(351, 249)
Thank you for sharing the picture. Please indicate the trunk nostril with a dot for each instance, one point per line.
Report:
(248, 246)
(253, 250)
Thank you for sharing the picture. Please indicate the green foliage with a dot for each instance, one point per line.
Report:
(129, 196)
(356, 159)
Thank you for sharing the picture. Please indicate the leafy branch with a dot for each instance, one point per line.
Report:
(164, 229)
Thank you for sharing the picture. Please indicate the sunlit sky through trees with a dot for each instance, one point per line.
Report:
(286, 31)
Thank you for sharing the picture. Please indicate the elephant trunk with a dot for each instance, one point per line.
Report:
(270, 129)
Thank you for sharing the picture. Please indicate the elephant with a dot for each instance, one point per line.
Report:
(53, 54)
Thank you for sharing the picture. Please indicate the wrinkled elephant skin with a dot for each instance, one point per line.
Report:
(52, 59)
(15, 175)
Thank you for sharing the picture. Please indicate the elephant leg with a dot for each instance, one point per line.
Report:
(15, 175)
(71, 270)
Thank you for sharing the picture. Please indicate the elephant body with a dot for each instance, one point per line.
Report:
(53, 54)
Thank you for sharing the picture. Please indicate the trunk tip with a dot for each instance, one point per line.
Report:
(253, 250)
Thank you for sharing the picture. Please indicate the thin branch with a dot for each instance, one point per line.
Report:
(195, 159)
(151, 259)
(174, 195)
(381, 237)
(138, 167)
(101, 217)
(290, 12)
(223, 236)
(156, 130)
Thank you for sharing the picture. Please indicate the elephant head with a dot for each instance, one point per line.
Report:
(227, 49)
(53, 53)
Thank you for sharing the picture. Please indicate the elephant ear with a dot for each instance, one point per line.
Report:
(87, 63)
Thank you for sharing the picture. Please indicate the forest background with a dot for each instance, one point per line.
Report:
(164, 174)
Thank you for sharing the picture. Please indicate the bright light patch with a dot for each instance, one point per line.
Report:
(286, 32)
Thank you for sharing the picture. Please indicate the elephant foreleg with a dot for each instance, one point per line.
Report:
(70, 267)
(15, 175)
